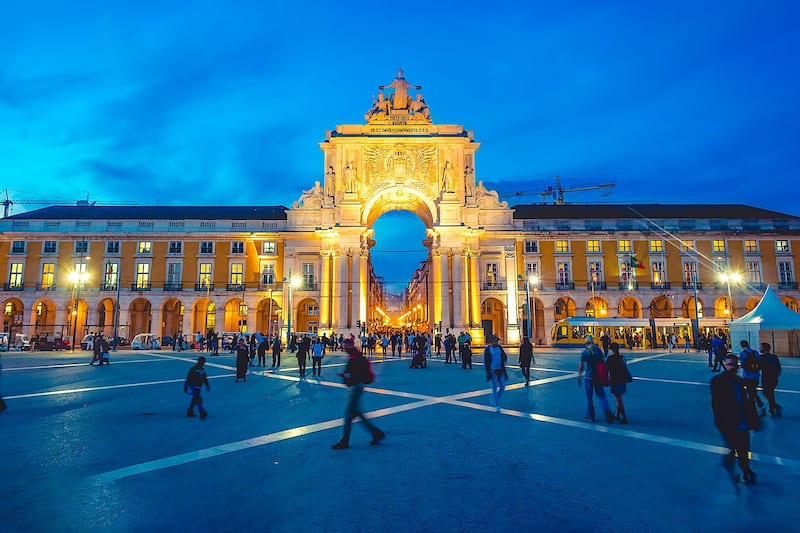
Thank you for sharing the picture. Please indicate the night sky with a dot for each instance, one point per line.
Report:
(213, 102)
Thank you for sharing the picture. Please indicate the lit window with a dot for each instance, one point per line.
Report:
(624, 246)
(144, 247)
(205, 275)
(143, 276)
(491, 274)
(751, 246)
(237, 273)
(562, 246)
(48, 275)
(268, 248)
(687, 246)
(15, 276)
(268, 273)
(659, 278)
(689, 272)
(595, 272)
(782, 246)
(718, 245)
(593, 247)
(657, 246)
(563, 272)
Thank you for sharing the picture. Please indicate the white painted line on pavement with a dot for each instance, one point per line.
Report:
(214, 451)
(107, 387)
(69, 365)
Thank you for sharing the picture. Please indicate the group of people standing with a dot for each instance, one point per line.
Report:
(596, 371)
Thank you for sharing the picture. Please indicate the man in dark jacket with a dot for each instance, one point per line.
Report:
(194, 381)
(729, 402)
(770, 372)
(526, 358)
(494, 360)
(356, 374)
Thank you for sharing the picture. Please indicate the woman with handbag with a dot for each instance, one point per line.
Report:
(620, 376)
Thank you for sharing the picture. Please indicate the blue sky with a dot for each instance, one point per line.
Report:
(215, 102)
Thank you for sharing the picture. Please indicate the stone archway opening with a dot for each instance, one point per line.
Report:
(398, 255)
(563, 308)
(204, 315)
(791, 303)
(493, 318)
(172, 311)
(661, 307)
(307, 316)
(597, 307)
(688, 308)
(140, 316)
(44, 318)
(723, 308)
(629, 307)
(268, 312)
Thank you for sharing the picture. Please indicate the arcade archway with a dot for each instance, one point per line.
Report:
(140, 315)
(563, 308)
(661, 307)
(629, 307)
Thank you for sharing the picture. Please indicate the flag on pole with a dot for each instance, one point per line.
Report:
(635, 263)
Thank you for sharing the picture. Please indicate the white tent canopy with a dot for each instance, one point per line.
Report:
(770, 313)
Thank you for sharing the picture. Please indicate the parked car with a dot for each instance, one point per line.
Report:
(146, 341)
(19, 342)
(50, 344)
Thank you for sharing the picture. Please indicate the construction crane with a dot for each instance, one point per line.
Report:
(557, 192)
(8, 202)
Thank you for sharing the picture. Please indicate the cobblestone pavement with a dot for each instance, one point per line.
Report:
(110, 449)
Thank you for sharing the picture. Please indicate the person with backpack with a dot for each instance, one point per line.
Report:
(770, 372)
(357, 373)
(494, 361)
(194, 381)
(619, 376)
(751, 374)
(593, 368)
(731, 407)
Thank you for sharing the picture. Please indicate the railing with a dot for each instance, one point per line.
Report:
(664, 285)
(787, 284)
(140, 286)
(628, 285)
(565, 286)
(173, 286)
(45, 286)
(308, 286)
(234, 287)
(108, 287)
(689, 285)
(204, 286)
(13, 287)
(270, 286)
(598, 285)
(493, 285)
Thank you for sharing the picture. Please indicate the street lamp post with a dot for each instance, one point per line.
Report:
(116, 311)
(729, 277)
(77, 278)
(696, 332)
(293, 283)
(534, 280)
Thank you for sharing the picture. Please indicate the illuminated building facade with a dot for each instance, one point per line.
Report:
(187, 269)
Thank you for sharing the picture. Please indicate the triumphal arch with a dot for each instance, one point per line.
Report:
(399, 159)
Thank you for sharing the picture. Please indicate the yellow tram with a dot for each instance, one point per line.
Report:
(635, 332)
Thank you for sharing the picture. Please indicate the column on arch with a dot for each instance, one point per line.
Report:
(363, 286)
(474, 292)
(341, 294)
(155, 319)
(325, 292)
(438, 289)
(512, 328)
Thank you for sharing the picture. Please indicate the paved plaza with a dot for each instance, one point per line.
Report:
(110, 449)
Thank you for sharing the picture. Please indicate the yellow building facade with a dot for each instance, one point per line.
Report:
(308, 268)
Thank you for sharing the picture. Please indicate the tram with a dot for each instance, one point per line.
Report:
(630, 332)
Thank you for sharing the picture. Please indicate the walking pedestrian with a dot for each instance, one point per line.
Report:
(619, 376)
(194, 381)
(102, 344)
(770, 372)
(751, 374)
(317, 353)
(593, 383)
(262, 352)
(95, 353)
(494, 360)
(276, 351)
(302, 354)
(526, 358)
(242, 360)
(357, 373)
(729, 403)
